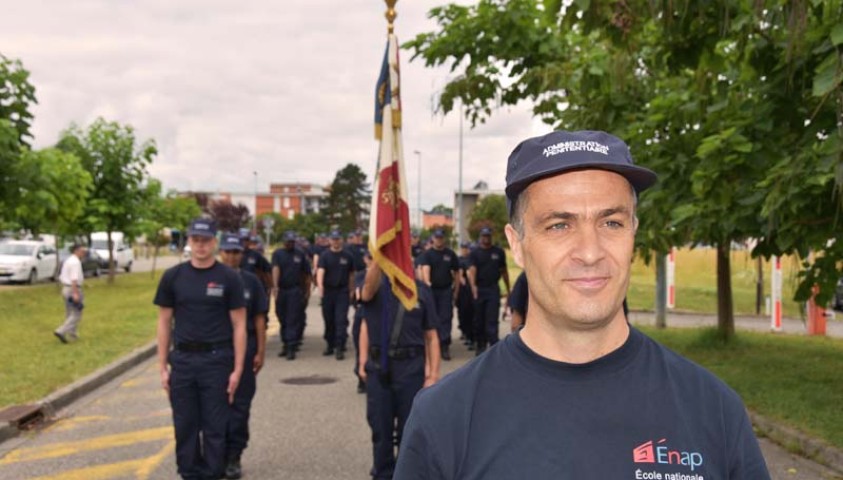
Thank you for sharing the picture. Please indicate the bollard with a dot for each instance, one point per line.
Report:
(816, 314)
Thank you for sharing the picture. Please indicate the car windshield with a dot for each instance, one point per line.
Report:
(16, 249)
(100, 244)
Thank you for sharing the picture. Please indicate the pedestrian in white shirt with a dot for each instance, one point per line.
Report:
(71, 278)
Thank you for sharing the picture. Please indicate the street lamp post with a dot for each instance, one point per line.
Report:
(420, 215)
(459, 195)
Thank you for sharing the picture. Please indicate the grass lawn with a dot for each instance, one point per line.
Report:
(792, 379)
(117, 319)
(696, 282)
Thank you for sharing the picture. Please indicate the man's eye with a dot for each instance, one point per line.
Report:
(559, 226)
(614, 224)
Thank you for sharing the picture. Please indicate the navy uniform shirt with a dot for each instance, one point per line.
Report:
(416, 321)
(489, 262)
(338, 266)
(465, 264)
(416, 249)
(316, 250)
(357, 252)
(254, 262)
(519, 297)
(294, 267)
(640, 411)
(443, 263)
(201, 299)
(256, 300)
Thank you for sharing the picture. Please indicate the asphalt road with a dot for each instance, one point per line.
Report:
(123, 430)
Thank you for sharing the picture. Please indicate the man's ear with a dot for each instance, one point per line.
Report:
(514, 244)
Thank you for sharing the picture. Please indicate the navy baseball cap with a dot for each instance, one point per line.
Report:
(231, 241)
(485, 231)
(336, 235)
(439, 233)
(289, 236)
(202, 227)
(255, 239)
(465, 245)
(562, 151)
(245, 232)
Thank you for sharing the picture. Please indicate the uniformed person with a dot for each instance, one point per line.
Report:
(206, 301)
(465, 301)
(359, 279)
(394, 371)
(355, 247)
(415, 244)
(254, 262)
(335, 276)
(257, 306)
(440, 271)
(319, 245)
(291, 277)
(518, 302)
(488, 265)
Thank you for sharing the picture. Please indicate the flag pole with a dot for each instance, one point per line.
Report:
(390, 14)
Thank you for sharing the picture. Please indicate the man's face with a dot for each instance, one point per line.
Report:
(81, 252)
(336, 243)
(414, 239)
(289, 244)
(231, 257)
(579, 232)
(485, 241)
(438, 243)
(202, 248)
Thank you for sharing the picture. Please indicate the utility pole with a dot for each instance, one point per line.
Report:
(420, 217)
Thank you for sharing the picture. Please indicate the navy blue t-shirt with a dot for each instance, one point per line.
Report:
(512, 413)
(357, 252)
(338, 266)
(520, 296)
(416, 249)
(489, 262)
(256, 300)
(443, 263)
(416, 321)
(293, 265)
(201, 299)
(254, 262)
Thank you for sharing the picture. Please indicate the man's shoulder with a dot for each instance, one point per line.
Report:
(249, 277)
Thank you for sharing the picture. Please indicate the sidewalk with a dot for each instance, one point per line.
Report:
(834, 328)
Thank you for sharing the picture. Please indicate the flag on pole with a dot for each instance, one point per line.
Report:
(389, 225)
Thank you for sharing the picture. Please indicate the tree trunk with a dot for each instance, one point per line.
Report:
(661, 291)
(154, 261)
(759, 287)
(111, 269)
(725, 312)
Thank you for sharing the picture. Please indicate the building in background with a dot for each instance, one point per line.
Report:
(285, 199)
(470, 198)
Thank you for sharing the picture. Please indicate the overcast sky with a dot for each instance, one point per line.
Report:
(281, 87)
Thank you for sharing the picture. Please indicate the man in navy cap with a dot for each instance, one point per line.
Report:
(207, 302)
(335, 277)
(254, 262)
(488, 266)
(291, 277)
(257, 306)
(465, 300)
(439, 270)
(578, 392)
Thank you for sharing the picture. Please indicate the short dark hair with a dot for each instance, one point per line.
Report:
(76, 246)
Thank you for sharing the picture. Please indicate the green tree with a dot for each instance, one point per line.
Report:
(712, 95)
(165, 212)
(117, 163)
(491, 212)
(17, 95)
(54, 189)
(442, 210)
(347, 205)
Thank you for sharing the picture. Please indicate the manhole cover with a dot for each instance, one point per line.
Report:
(311, 380)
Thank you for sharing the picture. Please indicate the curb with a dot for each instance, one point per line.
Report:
(61, 398)
(799, 443)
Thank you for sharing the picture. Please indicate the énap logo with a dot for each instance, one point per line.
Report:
(214, 289)
(658, 453)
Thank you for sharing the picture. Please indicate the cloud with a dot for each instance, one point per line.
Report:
(284, 89)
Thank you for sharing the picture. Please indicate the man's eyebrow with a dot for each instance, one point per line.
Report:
(608, 212)
(556, 215)
(563, 215)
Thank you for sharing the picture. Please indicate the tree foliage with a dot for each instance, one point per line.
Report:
(347, 205)
(54, 189)
(735, 104)
(229, 217)
(491, 212)
(117, 163)
(17, 95)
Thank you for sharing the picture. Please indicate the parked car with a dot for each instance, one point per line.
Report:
(27, 261)
(838, 296)
(91, 264)
(123, 254)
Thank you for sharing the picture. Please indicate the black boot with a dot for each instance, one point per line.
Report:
(340, 354)
(328, 351)
(283, 352)
(233, 470)
(446, 353)
(291, 353)
(481, 347)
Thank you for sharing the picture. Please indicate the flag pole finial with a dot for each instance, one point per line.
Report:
(390, 13)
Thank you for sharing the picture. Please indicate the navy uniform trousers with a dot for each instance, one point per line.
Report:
(355, 337)
(238, 424)
(289, 306)
(465, 312)
(198, 383)
(486, 309)
(444, 300)
(388, 402)
(335, 306)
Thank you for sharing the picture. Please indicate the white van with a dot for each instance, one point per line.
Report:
(123, 254)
